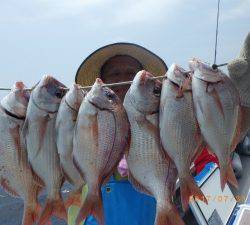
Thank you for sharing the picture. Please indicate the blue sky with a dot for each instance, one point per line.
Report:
(40, 37)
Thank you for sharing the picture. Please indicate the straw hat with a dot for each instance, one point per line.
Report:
(90, 69)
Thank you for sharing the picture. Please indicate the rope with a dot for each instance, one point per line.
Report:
(121, 83)
(9, 89)
(89, 87)
(216, 33)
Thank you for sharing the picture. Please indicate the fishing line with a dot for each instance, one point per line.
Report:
(215, 66)
(216, 32)
(89, 87)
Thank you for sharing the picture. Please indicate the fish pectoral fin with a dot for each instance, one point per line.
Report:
(74, 117)
(180, 93)
(91, 206)
(52, 207)
(15, 134)
(42, 130)
(25, 127)
(148, 126)
(217, 100)
(137, 185)
(197, 152)
(128, 142)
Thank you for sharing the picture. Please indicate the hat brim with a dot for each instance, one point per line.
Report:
(90, 69)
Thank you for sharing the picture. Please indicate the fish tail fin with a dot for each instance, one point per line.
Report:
(31, 214)
(74, 198)
(92, 205)
(227, 175)
(52, 207)
(168, 216)
(189, 188)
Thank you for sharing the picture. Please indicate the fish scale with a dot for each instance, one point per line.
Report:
(150, 169)
(179, 130)
(100, 138)
(16, 175)
(65, 124)
(217, 111)
(40, 135)
(46, 160)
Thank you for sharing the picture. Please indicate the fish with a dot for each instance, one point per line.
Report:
(16, 175)
(217, 108)
(150, 169)
(65, 124)
(40, 137)
(101, 135)
(239, 72)
(179, 129)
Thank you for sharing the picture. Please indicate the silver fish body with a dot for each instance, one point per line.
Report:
(150, 170)
(100, 139)
(65, 125)
(40, 136)
(16, 175)
(179, 130)
(217, 110)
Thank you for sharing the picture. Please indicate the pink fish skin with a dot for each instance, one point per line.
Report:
(16, 175)
(179, 129)
(40, 136)
(65, 125)
(151, 171)
(217, 110)
(101, 136)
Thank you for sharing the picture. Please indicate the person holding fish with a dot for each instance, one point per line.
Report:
(111, 64)
(116, 63)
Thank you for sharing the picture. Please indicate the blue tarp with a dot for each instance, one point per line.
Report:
(124, 205)
(131, 207)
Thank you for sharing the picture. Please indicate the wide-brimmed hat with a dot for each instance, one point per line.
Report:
(90, 69)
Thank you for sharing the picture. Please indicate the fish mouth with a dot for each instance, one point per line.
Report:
(157, 91)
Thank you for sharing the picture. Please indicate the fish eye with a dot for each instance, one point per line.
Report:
(59, 93)
(109, 94)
